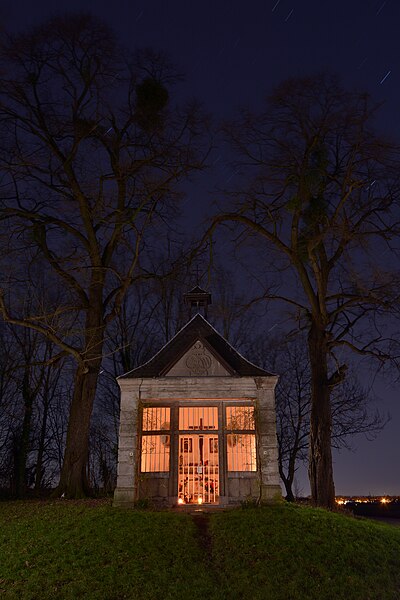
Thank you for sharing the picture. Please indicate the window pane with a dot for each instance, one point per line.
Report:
(156, 419)
(155, 453)
(198, 417)
(240, 417)
(241, 450)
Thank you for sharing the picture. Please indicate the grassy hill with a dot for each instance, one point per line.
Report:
(66, 549)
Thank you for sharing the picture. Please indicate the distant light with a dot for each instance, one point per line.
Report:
(200, 500)
(384, 500)
(180, 501)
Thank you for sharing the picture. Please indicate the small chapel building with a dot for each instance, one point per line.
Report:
(197, 424)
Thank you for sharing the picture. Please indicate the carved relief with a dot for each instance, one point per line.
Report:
(198, 360)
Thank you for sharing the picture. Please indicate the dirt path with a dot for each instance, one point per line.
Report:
(201, 521)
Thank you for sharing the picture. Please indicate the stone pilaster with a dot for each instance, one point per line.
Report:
(267, 440)
(128, 450)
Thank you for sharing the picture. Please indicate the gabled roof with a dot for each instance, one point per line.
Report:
(196, 329)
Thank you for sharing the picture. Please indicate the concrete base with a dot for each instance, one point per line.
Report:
(124, 497)
(271, 493)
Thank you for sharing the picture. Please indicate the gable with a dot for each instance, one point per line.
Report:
(197, 362)
(215, 355)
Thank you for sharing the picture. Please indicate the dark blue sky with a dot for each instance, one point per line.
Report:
(233, 54)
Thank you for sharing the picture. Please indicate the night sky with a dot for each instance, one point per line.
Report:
(233, 54)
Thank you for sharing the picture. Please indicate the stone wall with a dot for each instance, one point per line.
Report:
(264, 484)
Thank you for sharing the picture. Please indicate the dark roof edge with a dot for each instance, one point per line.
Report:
(161, 349)
(263, 373)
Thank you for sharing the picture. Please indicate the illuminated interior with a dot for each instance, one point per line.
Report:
(241, 444)
(199, 447)
(155, 445)
(240, 417)
(198, 473)
(241, 452)
(155, 453)
(155, 419)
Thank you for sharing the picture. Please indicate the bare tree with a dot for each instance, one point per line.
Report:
(28, 389)
(53, 403)
(29, 379)
(92, 154)
(10, 412)
(352, 412)
(230, 311)
(320, 195)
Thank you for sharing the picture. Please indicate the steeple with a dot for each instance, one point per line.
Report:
(198, 300)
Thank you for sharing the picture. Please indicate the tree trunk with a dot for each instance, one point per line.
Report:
(24, 440)
(39, 471)
(288, 487)
(320, 470)
(287, 478)
(74, 479)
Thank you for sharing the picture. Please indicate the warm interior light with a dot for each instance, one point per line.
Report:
(200, 500)
(180, 501)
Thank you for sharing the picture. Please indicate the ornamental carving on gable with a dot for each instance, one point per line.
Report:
(198, 362)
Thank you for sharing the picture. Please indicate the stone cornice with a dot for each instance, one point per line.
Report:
(266, 383)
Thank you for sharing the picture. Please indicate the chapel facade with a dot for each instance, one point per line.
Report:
(197, 424)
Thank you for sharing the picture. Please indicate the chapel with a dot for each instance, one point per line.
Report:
(197, 423)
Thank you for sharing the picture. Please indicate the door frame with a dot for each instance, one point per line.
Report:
(176, 433)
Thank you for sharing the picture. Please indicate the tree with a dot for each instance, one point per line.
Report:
(29, 348)
(92, 154)
(28, 390)
(319, 194)
(351, 411)
(9, 413)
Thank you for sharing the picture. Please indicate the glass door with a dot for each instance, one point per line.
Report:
(198, 464)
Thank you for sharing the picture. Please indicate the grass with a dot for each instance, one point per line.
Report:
(65, 549)
(301, 553)
(74, 550)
